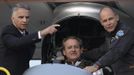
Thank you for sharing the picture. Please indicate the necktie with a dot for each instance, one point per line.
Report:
(23, 33)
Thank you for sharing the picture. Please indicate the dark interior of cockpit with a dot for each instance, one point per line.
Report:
(89, 30)
(86, 28)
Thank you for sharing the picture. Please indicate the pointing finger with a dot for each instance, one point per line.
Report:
(56, 25)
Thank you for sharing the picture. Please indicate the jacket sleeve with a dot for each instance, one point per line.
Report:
(13, 41)
(121, 48)
(95, 53)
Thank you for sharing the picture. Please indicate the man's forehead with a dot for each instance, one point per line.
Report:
(20, 11)
(106, 10)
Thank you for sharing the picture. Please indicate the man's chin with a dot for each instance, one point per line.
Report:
(110, 30)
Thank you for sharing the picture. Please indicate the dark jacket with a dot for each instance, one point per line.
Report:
(16, 50)
(118, 53)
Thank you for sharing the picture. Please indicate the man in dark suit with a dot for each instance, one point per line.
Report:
(118, 49)
(17, 45)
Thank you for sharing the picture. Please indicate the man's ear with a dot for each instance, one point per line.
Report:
(82, 50)
(64, 52)
(117, 17)
(101, 22)
(12, 18)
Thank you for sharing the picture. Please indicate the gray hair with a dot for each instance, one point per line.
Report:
(20, 5)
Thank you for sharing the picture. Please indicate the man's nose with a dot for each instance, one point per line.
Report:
(73, 49)
(108, 22)
(24, 19)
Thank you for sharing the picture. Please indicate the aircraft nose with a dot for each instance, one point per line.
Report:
(55, 69)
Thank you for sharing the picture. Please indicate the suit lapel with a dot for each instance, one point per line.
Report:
(108, 39)
(26, 33)
(16, 31)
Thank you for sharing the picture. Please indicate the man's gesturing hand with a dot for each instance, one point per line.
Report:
(49, 30)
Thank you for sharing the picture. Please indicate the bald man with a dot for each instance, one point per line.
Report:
(118, 48)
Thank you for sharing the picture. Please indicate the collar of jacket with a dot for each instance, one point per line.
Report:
(74, 64)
